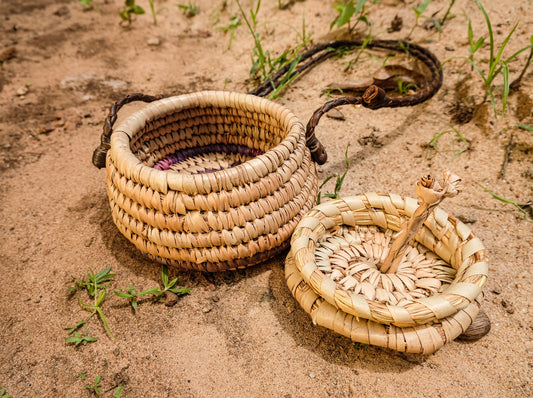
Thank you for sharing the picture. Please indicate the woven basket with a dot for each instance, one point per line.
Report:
(210, 181)
(413, 310)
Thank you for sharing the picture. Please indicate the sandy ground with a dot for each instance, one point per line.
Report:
(240, 334)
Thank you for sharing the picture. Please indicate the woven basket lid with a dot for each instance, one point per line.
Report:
(350, 236)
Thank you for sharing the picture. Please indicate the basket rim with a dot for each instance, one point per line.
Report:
(423, 339)
(470, 277)
(247, 172)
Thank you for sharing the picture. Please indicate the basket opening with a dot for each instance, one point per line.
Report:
(205, 139)
(351, 258)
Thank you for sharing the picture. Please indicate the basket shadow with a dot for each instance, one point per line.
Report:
(332, 347)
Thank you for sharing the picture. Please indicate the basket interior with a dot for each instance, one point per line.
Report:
(205, 139)
(352, 255)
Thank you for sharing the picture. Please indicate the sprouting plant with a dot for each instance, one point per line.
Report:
(289, 77)
(359, 346)
(118, 392)
(231, 27)
(497, 64)
(339, 180)
(93, 282)
(133, 296)
(405, 87)
(521, 207)
(189, 9)
(418, 13)
(168, 286)
(459, 138)
(98, 290)
(439, 22)
(78, 339)
(264, 64)
(260, 58)
(86, 4)
(94, 388)
(526, 127)
(154, 11)
(130, 9)
(4, 394)
(347, 10)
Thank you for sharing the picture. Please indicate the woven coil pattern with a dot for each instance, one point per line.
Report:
(211, 180)
(412, 324)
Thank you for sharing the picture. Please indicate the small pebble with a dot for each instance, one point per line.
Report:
(23, 91)
(46, 128)
(154, 41)
(467, 218)
(507, 306)
(312, 375)
(170, 299)
(336, 114)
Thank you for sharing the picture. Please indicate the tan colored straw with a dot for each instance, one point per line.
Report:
(211, 180)
(334, 271)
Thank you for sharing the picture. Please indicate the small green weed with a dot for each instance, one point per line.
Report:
(359, 346)
(439, 22)
(231, 27)
(418, 13)
(94, 388)
(133, 296)
(525, 209)
(93, 283)
(86, 4)
(497, 64)
(4, 394)
(346, 10)
(98, 290)
(168, 286)
(189, 9)
(264, 64)
(154, 11)
(129, 10)
(526, 127)
(339, 180)
(78, 339)
(459, 138)
(404, 88)
(118, 392)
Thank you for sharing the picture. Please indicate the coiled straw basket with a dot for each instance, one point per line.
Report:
(209, 181)
(333, 272)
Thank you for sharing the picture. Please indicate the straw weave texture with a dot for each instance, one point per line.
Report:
(406, 321)
(211, 180)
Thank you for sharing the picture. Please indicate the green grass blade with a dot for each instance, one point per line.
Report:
(180, 291)
(504, 44)
(489, 27)
(422, 7)
(519, 52)
(123, 295)
(505, 87)
(164, 275)
(104, 321)
(118, 391)
(526, 127)
(504, 200)
(149, 291)
(478, 70)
